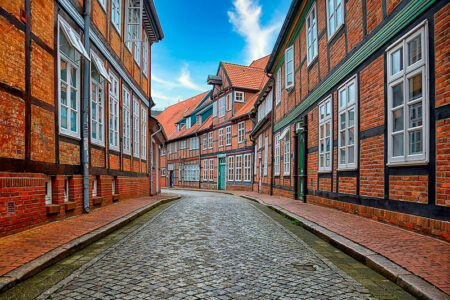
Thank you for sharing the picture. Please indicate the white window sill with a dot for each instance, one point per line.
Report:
(114, 148)
(353, 168)
(98, 143)
(324, 171)
(330, 37)
(68, 134)
(407, 163)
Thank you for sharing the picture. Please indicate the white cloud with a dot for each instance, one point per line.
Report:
(186, 81)
(246, 20)
(169, 84)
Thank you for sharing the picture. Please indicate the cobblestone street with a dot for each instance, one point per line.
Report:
(209, 246)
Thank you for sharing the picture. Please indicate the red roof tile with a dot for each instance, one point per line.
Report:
(244, 77)
(260, 63)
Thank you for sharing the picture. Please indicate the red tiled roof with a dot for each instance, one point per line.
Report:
(260, 63)
(244, 77)
(177, 111)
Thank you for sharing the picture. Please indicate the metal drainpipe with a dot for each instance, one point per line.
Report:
(85, 115)
(151, 158)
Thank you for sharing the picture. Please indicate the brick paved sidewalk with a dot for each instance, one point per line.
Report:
(424, 256)
(21, 248)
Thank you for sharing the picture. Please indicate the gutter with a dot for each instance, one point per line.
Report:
(151, 158)
(85, 113)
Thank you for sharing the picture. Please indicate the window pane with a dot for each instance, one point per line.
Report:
(415, 115)
(415, 87)
(415, 142)
(397, 61)
(343, 142)
(351, 136)
(73, 76)
(398, 120)
(351, 155)
(328, 108)
(64, 94)
(328, 141)
(94, 130)
(73, 99)
(343, 96)
(63, 68)
(343, 121)
(343, 156)
(397, 94)
(332, 24)
(64, 118)
(327, 160)
(398, 145)
(414, 50)
(338, 15)
(94, 111)
(328, 128)
(73, 121)
(321, 161)
(330, 6)
(322, 111)
(322, 145)
(351, 93)
(351, 117)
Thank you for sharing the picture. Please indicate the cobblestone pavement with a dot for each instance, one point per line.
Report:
(213, 246)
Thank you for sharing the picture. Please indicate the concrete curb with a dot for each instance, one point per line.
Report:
(33, 267)
(200, 190)
(411, 283)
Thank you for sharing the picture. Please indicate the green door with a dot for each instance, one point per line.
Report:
(301, 164)
(222, 174)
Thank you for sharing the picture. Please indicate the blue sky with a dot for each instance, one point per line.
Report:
(201, 33)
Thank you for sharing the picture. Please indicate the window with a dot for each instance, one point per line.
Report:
(240, 96)
(289, 67)
(66, 190)
(69, 80)
(269, 100)
(325, 140)
(180, 173)
(170, 148)
(241, 132)
(144, 133)
(230, 168)
(205, 170)
(113, 185)
(256, 159)
(205, 141)
(311, 33)
(210, 140)
(114, 113)
(229, 102)
(408, 98)
(266, 154)
(260, 141)
(163, 172)
(277, 155)
(116, 13)
(287, 154)
(211, 169)
(145, 55)
(133, 17)
(182, 144)
(188, 122)
(48, 191)
(103, 3)
(238, 174)
(97, 107)
(137, 53)
(191, 172)
(175, 147)
(278, 87)
(215, 109)
(221, 107)
(126, 120)
(95, 187)
(136, 127)
(228, 135)
(220, 137)
(247, 167)
(335, 18)
(193, 143)
(347, 124)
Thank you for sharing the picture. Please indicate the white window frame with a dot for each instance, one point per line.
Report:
(76, 66)
(277, 159)
(337, 26)
(222, 107)
(239, 97)
(266, 154)
(287, 154)
(230, 165)
(114, 120)
(145, 56)
(205, 141)
(170, 148)
(136, 124)
(210, 140)
(182, 144)
(247, 167)
(97, 118)
(220, 137)
(103, 3)
(344, 110)
(278, 87)
(238, 168)
(323, 121)
(241, 132)
(66, 189)
(215, 108)
(188, 122)
(175, 147)
(211, 169)
(137, 53)
(191, 173)
(126, 120)
(116, 7)
(48, 190)
(311, 31)
(95, 187)
(143, 132)
(228, 136)
(289, 67)
(163, 172)
(134, 9)
(205, 169)
(402, 77)
(256, 159)
(229, 100)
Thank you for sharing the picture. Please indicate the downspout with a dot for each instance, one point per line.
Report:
(151, 158)
(85, 114)
(272, 121)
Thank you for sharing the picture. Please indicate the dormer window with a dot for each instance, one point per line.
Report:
(239, 97)
(188, 123)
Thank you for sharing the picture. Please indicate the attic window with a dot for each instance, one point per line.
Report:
(239, 97)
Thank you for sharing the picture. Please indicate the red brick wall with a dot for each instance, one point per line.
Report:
(347, 185)
(12, 54)
(391, 4)
(354, 23)
(42, 75)
(42, 135)
(325, 184)
(69, 153)
(99, 17)
(372, 95)
(409, 188)
(130, 187)
(443, 162)
(372, 167)
(337, 51)
(442, 54)
(12, 126)
(374, 14)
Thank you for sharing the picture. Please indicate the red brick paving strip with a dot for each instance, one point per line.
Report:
(21, 248)
(422, 255)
